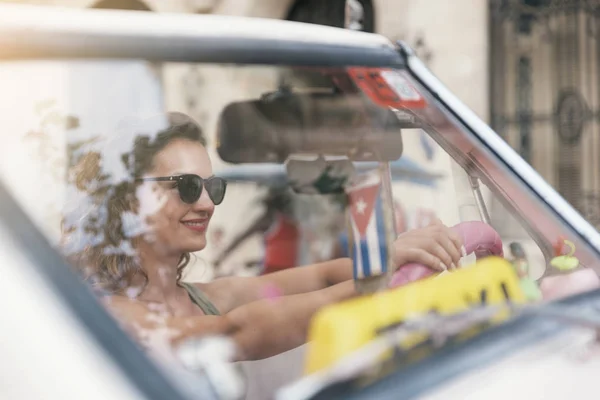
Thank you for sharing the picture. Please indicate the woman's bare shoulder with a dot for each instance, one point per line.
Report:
(227, 293)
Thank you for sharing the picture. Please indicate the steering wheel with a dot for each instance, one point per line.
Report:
(477, 237)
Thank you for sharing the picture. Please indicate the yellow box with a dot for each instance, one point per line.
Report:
(339, 329)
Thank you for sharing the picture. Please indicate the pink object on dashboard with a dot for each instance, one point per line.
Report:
(477, 237)
(559, 286)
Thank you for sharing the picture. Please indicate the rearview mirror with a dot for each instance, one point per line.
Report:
(285, 123)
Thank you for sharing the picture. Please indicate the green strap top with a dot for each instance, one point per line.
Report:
(200, 299)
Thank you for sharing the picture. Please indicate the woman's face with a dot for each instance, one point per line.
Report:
(175, 227)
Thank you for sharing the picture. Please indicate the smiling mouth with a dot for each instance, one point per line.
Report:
(196, 225)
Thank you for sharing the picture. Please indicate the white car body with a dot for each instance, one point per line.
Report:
(51, 348)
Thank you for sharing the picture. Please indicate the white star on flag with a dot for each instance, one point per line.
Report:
(361, 206)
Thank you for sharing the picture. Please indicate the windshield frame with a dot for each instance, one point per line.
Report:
(39, 32)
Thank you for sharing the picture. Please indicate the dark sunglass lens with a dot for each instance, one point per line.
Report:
(190, 188)
(216, 189)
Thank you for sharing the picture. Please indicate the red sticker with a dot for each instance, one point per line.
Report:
(387, 88)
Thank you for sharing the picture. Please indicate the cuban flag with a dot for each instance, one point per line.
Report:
(369, 245)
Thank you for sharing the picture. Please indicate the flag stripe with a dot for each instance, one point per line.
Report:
(355, 253)
(379, 217)
(372, 241)
(366, 259)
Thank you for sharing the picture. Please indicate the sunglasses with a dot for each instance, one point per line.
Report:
(190, 187)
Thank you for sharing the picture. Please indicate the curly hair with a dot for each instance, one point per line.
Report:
(101, 230)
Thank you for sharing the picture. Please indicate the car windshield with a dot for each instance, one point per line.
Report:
(149, 177)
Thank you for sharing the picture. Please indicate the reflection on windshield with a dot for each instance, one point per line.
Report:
(180, 244)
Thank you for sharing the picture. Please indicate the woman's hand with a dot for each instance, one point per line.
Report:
(435, 246)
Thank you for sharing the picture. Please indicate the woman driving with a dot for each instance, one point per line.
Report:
(133, 239)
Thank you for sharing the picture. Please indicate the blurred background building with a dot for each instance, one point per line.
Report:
(544, 97)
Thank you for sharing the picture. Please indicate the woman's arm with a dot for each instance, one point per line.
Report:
(232, 292)
(435, 246)
(269, 327)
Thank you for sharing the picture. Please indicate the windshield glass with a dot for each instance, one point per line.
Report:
(174, 199)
